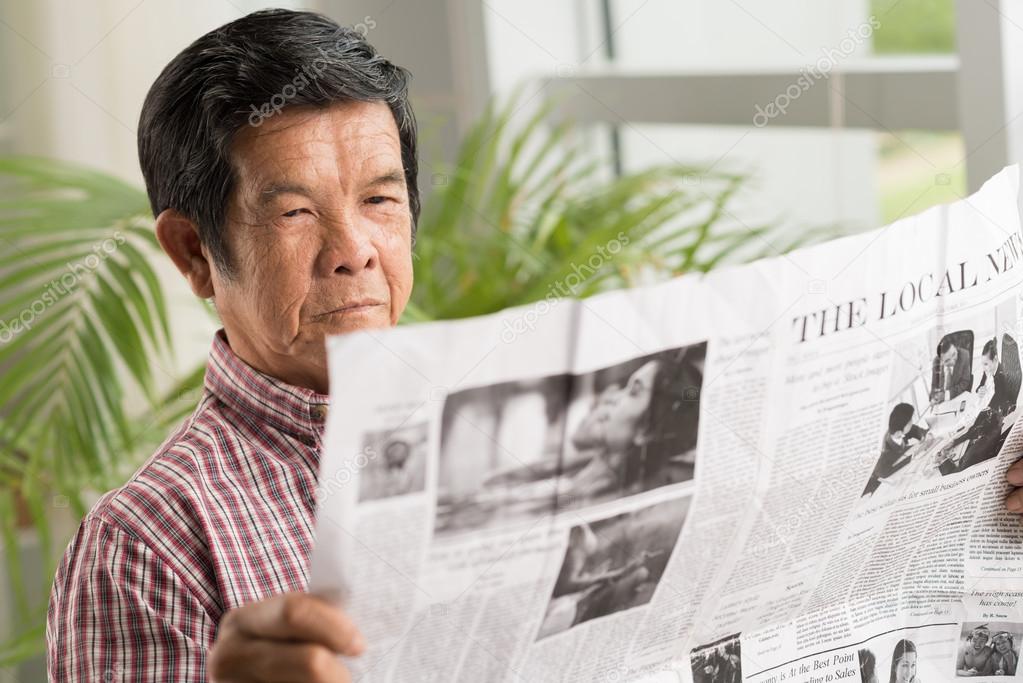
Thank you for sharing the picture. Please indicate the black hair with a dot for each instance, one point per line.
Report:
(671, 421)
(868, 665)
(990, 349)
(900, 417)
(944, 345)
(240, 74)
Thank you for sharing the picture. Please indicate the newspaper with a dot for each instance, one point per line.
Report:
(791, 470)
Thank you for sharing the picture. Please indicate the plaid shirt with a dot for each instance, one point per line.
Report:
(221, 515)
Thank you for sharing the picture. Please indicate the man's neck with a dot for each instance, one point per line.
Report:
(280, 368)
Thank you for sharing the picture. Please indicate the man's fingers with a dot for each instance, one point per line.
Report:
(277, 661)
(298, 617)
(1014, 502)
(1015, 473)
(290, 637)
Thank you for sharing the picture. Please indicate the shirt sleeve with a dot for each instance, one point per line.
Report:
(118, 612)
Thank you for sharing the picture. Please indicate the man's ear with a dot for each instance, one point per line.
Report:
(179, 237)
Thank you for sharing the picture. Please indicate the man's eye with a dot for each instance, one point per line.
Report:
(377, 200)
(292, 213)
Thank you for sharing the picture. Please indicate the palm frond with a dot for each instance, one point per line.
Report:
(524, 208)
(81, 308)
(82, 321)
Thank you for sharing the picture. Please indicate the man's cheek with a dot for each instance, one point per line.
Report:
(280, 266)
(274, 295)
(400, 285)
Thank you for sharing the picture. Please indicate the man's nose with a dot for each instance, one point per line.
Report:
(348, 246)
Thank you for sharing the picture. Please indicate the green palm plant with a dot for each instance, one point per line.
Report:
(524, 206)
(520, 209)
(83, 323)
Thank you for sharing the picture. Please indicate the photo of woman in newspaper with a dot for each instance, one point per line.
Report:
(718, 662)
(613, 564)
(514, 451)
(1006, 653)
(902, 665)
(960, 420)
(988, 649)
(640, 431)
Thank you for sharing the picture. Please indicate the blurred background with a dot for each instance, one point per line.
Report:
(715, 131)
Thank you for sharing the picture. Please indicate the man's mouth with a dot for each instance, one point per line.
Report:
(361, 306)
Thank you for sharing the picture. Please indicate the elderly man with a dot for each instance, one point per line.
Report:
(279, 153)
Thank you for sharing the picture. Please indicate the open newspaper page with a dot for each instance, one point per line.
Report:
(786, 471)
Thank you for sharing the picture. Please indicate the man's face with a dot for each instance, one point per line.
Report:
(949, 357)
(319, 233)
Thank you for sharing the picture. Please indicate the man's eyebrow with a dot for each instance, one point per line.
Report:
(391, 177)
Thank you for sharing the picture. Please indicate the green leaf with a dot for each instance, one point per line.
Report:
(83, 319)
(9, 536)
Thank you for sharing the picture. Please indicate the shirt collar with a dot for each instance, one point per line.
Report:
(294, 410)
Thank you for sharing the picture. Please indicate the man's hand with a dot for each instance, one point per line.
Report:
(289, 637)
(1014, 475)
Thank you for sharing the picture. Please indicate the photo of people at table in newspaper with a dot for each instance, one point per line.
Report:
(614, 432)
(613, 564)
(989, 649)
(718, 662)
(953, 410)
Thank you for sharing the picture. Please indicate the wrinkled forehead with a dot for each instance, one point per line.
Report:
(347, 141)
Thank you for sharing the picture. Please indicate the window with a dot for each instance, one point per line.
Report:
(870, 121)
